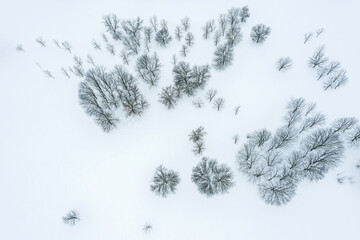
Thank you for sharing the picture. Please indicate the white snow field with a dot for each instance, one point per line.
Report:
(54, 158)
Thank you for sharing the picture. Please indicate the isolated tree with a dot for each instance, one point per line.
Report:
(78, 67)
(217, 38)
(198, 102)
(208, 28)
(197, 135)
(319, 31)
(318, 59)
(169, 96)
(235, 138)
(189, 39)
(104, 38)
(336, 80)
(163, 37)
(237, 109)
(199, 148)
(164, 181)
(20, 48)
(185, 22)
(147, 228)
(178, 33)
(212, 178)
(219, 103)
(223, 56)
(244, 14)
(260, 33)
(308, 36)
(71, 218)
(148, 68)
(48, 74)
(210, 94)
(41, 41)
(110, 48)
(56, 42)
(96, 45)
(63, 70)
(284, 64)
(66, 45)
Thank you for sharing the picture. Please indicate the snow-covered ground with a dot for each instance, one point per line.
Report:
(54, 158)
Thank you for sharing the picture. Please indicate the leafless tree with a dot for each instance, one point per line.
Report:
(148, 33)
(56, 42)
(148, 68)
(309, 108)
(222, 21)
(260, 33)
(112, 24)
(208, 28)
(147, 228)
(223, 56)
(71, 218)
(277, 193)
(217, 37)
(164, 181)
(184, 50)
(344, 124)
(90, 60)
(219, 103)
(244, 14)
(41, 41)
(210, 94)
(189, 39)
(169, 96)
(174, 59)
(308, 36)
(154, 23)
(235, 138)
(185, 22)
(178, 33)
(234, 35)
(354, 137)
(336, 80)
(20, 48)
(48, 74)
(284, 64)
(333, 66)
(66, 45)
(312, 121)
(321, 72)
(237, 109)
(198, 102)
(318, 59)
(212, 178)
(78, 67)
(96, 45)
(111, 49)
(163, 37)
(197, 135)
(104, 38)
(319, 31)
(125, 57)
(63, 70)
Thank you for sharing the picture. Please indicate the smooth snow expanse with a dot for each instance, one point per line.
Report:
(54, 158)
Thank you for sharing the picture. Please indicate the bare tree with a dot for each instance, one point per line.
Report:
(189, 39)
(313, 121)
(112, 24)
(344, 124)
(198, 102)
(96, 45)
(90, 60)
(260, 33)
(147, 228)
(178, 33)
(336, 80)
(308, 36)
(185, 22)
(111, 49)
(208, 28)
(104, 38)
(148, 34)
(212, 178)
(234, 35)
(163, 37)
(63, 70)
(235, 138)
(41, 41)
(66, 45)
(154, 23)
(148, 68)
(333, 66)
(197, 135)
(164, 181)
(71, 218)
(169, 96)
(284, 64)
(237, 109)
(318, 59)
(277, 193)
(184, 50)
(20, 48)
(319, 31)
(174, 59)
(321, 72)
(219, 103)
(217, 37)
(210, 94)
(78, 67)
(125, 57)
(223, 56)
(56, 42)
(354, 137)
(222, 21)
(244, 14)
(48, 74)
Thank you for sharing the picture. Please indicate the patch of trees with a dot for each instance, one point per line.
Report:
(330, 72)
(103, 92)
(303, 148)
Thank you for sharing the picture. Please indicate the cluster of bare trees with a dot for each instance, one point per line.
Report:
(212, 178)
(102, 92)
(164, 181)
(301, 149)
(187, 80)
(197, 137)
(331, 72)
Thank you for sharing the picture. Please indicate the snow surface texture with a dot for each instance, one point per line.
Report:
(54, 158)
